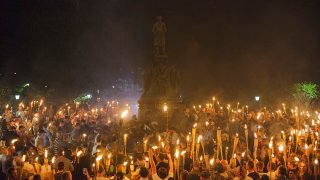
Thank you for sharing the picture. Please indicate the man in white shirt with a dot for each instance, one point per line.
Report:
(162, 172)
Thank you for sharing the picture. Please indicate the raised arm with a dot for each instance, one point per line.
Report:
(153, 166)
(170, 161)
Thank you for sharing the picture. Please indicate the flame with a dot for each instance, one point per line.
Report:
(124, 113)
(13, 141)
(53, 159)
(270, 144)
(242, 154)
(99, 158)
(177, 153)
(195, 125)
(183, 153)
(79, 153)
(165, 108)
(281, 148)
(199, 138)
(296, 159)
(212, 161)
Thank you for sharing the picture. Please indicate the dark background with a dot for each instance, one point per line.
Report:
(233, 49)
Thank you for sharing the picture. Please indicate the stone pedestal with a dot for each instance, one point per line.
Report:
(161, 86)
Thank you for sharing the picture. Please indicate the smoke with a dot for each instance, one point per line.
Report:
(234, 50)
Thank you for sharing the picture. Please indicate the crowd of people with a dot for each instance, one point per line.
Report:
(99, 141)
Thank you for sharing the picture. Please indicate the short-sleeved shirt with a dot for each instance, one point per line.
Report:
(156, 177)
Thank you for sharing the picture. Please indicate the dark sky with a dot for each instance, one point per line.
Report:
(229, 48)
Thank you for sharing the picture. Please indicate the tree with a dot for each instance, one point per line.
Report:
(305, 93)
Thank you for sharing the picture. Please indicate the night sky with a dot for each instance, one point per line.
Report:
(228, 48)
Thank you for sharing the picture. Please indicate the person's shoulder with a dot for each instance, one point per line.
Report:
(155, 177)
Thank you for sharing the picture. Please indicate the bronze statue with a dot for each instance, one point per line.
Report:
(159, 29)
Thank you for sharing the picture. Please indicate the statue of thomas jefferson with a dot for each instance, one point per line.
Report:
(159, 29)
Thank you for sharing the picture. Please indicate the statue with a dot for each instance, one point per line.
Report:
(159, 29)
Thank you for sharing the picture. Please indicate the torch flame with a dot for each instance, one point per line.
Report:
(99, 158)
(212, 161)
(79, 153)
(281, 148)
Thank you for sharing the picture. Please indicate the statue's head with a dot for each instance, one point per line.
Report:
(159, 18)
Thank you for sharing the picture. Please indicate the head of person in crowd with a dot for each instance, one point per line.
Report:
(250, 165)
(218, 168)
(119, 175)
(260, 166)
(41, 133)
(193, 176)
(292, 175)
(12, 173)
(281, 172)
(205, 175)
(3, 142)
(60, 166)
(36, 177)
(264, 177)
(77, 126)
(143, 172)
(184, 175)
(162, 172)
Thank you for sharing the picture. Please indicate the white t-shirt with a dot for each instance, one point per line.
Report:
(156, 177)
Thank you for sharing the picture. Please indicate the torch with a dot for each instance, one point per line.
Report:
(246, 134)
(193, 133)
(125, 143)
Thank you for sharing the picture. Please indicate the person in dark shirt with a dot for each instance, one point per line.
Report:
(83, 164)
(252, 173)
(4, 128)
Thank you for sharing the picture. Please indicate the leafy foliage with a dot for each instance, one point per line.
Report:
(305, 92)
